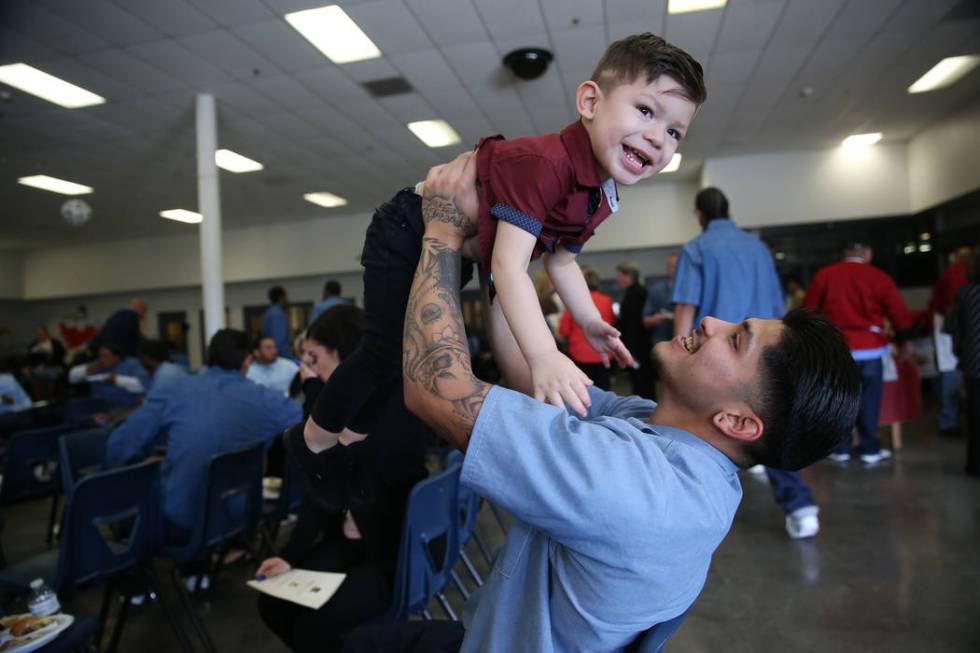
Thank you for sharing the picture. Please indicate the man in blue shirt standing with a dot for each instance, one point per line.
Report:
(729, 274)
(275, 322)
(616, 514)
(331, 298)
(200, 416)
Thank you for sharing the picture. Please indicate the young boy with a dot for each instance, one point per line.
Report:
(542, 195)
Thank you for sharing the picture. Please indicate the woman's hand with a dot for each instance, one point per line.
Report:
(272, 567)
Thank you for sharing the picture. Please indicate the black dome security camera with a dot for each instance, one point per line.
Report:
(528, 63)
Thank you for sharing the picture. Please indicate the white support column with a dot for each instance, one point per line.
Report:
(209, 205)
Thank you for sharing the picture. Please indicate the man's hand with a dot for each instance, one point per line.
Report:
(455, 182)
(558, 381)
(604, 338)
(272, 567)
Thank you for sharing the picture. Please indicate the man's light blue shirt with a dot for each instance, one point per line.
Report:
(167, 373)
(659, 299)
(115, 395)
(275, 325)
(616, 521)
(201, 416)
(322, 307)
(277, 375)
(11, 388)
(728, 274)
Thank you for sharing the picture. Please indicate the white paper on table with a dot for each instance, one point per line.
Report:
(303, 586)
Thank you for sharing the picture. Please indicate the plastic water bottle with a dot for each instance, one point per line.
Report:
(43, 601)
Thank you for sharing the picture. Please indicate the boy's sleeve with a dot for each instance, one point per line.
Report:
(524, 190)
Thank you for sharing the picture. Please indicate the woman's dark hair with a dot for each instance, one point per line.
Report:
(808, 395)
(712, 204)
(228, 349)
(339, 328)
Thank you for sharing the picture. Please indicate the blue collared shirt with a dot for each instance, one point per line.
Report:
(275, 325)
(116, 395)
(615, 523)
(278, 375)
(206, 414)
(167, 373)
(11, 388)
(659, 299)
(322, 307)
(729, 274)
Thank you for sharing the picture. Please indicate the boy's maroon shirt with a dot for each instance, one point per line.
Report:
(547, 185)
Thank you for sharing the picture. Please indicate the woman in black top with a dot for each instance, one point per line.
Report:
(352, 515)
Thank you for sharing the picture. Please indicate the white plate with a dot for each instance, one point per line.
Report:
(37, 639)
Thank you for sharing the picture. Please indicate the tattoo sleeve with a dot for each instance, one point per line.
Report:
(436, 358)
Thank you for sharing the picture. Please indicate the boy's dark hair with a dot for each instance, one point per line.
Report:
(275, 294)
(228, 349)
(647, 54)
(156, 350)
(808, 395)
(340, 329)
(331, 288)
(712, 204)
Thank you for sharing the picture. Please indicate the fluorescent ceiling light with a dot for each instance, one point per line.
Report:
(182, 215)
(675, 163)
(945, 73)
(685, 6)
(332, 32)
(47, 87)
(233, 162)
(859, 140)
(328, 200)
(55, 185)
(434, 133)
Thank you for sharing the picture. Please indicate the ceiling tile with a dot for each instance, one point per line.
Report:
(642, 13)
(748, 27)
(227, 52)
(171, 57)
(453, 104)
(285, 91)
(50, 29)
(510, 19)
(409, 107)
(16, 48)
(477, 64)
(694, 32)
(426, 70)
(805, 21)
(369, 115)
(123, 66)
(331, 84)
(281, 44)
(229, 13)
(449, 22)
(391, 26)
(101, 17)
(567, 14)
(171, 18)
(730, 68)
(859, 19)
(579, 49)
(370, 70)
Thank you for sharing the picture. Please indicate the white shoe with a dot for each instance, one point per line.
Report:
(840, 457)
(757, 469)
(872, 458)
(803, 522)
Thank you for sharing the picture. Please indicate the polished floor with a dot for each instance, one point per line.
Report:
(896, 567)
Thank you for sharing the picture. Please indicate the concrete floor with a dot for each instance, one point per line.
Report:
(896, 567)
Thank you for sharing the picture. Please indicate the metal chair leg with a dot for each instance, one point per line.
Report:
(196, 622)
(120, 622)
(153, 586)
(483, 549)
(458, 582)
(104, 612)
(426, 614)
(446, 607)
(56, 500)
(470, 568)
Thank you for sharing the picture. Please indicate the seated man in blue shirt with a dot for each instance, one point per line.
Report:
(12, 395)
(119, 379)
(616, 514)
(270, 369)
(200, 416)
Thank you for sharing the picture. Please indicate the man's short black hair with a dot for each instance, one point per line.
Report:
(275, 294)
(156, 350)
(331, 288)
(257, 341)
(808, 395)
(712, 203)
(339, 328)
(228, 349)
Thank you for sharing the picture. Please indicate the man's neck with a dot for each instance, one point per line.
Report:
(666, 415)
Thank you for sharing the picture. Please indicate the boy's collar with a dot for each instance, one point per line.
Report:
(575, 138)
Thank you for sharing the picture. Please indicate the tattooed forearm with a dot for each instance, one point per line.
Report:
(436, 209)
(436, 359)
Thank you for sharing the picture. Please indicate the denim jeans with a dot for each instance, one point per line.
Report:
(359, 387)
(947, 387)
(789, 490)
(870, 409)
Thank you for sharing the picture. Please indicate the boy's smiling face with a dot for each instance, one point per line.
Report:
(635, 128)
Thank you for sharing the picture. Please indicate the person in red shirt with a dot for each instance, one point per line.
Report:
(858, 297)
(579, 350)
(948, 381)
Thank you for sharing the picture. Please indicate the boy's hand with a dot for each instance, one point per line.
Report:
(558, 381)
(604, 338)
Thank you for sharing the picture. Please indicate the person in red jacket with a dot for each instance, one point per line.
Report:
(949, 380)
(858, 297)
(580, 351)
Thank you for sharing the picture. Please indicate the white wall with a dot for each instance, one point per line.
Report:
(11, 275)
(944, 159)
(817, 186)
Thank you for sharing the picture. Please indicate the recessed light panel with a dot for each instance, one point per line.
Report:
(55, 185)
(327, 200)
(945, 73)
(234, 162)
(860, 140)
(687, 6)
(434, 133)
(182, 215)
(47, 87)
(332, 32)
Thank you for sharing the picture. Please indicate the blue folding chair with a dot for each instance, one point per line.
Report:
(112, 526)
(232, 506)
(80, 453)
(11, 423)
(30, 469)
(80, 409)
(429, 547)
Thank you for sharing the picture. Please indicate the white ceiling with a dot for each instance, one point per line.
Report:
(315, 128)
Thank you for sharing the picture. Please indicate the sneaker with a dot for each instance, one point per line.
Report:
(803, 522)
(872, 458)
(757, 469)
(840, 457)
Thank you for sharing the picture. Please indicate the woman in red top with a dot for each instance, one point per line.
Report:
(579, 349)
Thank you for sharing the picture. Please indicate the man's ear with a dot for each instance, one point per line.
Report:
(739, 422)
(587, 96)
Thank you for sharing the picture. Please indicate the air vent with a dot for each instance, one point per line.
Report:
(389, 86)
